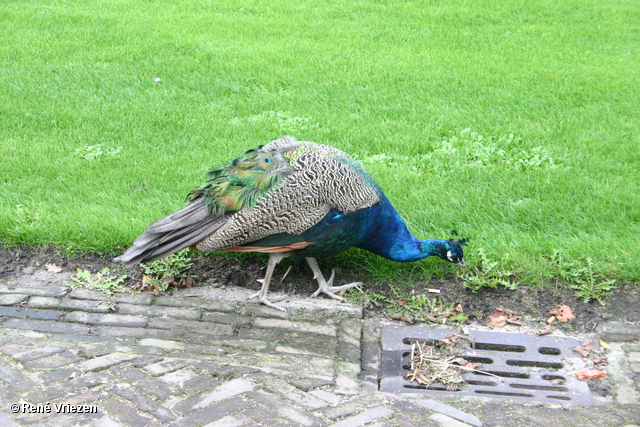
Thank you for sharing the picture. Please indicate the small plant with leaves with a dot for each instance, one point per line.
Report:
(93, 152)
(169, 271)
(488, 273)
(101, 281)
(410, 308)
(582, 278)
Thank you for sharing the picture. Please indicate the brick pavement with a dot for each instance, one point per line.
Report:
(184, 361)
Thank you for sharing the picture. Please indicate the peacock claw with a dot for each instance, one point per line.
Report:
(269, 301)
(332, 290)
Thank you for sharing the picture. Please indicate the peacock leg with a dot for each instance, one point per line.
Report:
(325, 286)
(261, 295)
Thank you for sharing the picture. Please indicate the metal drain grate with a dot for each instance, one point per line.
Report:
(521, 366)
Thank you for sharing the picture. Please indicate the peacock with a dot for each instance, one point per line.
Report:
(289, 198)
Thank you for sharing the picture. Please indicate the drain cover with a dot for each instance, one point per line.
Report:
(517, 366)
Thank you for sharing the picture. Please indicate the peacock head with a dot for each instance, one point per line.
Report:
(454, 252)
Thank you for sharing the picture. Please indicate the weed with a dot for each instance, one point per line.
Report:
(101, 281)
(488, 273)
(357, 296)
(93, 152)
(161, 274)
(423, 308)
(281, 121)
(582, 277)
(468, 148)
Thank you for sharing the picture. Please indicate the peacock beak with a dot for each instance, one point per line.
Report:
(462, 263)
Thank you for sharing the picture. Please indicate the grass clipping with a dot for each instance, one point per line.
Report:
(439, 363)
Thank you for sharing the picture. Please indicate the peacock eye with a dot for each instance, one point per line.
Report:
(267, 160)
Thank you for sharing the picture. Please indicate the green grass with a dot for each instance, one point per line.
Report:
(514, 123)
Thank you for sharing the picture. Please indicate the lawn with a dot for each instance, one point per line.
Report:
(517, 123)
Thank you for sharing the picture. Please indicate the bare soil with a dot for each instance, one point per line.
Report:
(27, 266)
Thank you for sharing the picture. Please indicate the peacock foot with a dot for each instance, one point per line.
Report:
(325, 287)
(269, 301)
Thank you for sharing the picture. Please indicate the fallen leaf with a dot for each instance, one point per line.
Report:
(402, 316)
(604, 344)
(189, 295)
(497, 318)
(451, 341)
(168, 280)
(52, 268)
(470, 366)
(508, 311)
(423, 379)
(545, 331)
(557, 381)
(153, 289)
(186, 282)
(589, 374)
(514, 321)
(458, 308)
(400, 301)
(563, 313)
(600, 361)
(582, 351)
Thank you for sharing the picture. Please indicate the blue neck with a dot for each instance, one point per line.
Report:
(387, 235)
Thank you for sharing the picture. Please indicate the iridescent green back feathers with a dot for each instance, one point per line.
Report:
(242, 183)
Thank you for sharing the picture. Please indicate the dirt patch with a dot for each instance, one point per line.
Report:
(27, 267)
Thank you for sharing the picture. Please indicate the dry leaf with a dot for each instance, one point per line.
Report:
(168, 280)
(604, 344)
(600, 361)
(458, 308)
(52, 268)
(563, 313)
(557, 381)
(401, 316)
(497, 318)
(186, 282)
(514, 321)
(506, 310)
(400, 302)
(470, 366)
(582, 351)
(189, 295)
(589, 374)
(451, 341)
(545, 331)
(153, 289)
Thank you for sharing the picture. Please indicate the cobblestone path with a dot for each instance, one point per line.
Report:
(144, 360)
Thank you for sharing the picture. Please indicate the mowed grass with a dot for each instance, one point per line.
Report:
(514, 123)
